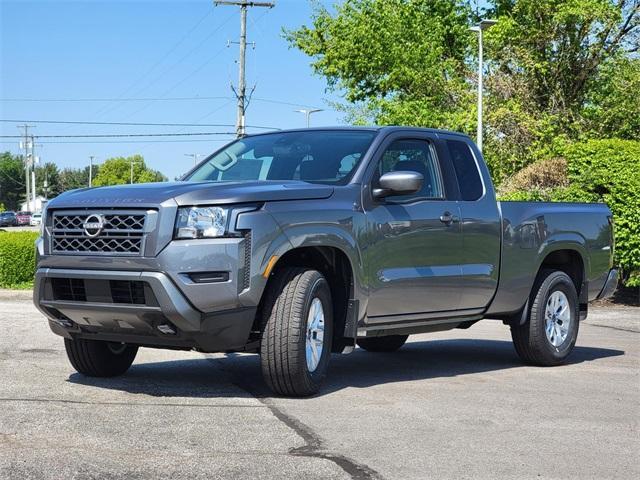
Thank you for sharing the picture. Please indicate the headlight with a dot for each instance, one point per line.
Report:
(201, 222)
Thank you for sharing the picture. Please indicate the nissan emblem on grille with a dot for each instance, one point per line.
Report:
(93, 225)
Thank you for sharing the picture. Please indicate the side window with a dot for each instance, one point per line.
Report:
(417, 156)
(466, 169)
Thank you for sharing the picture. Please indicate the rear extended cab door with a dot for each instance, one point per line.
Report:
(480, 221)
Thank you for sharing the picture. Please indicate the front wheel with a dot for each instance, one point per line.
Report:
(96, 358)
(549, 334)
(296, 340)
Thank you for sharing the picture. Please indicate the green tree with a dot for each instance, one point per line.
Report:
(558, 69)
(117, 171)
(398, 61)
(613, 108)
(12, 189)
(555, 48)
(48, 172)
(72, 178)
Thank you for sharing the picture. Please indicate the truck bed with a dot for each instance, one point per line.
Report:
(533, 230)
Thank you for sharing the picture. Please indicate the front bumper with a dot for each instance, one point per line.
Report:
(160, 316)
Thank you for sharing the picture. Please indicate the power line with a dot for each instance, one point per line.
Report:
(280, 102)
(139, 124)
(210, 140)
(147, 85)
(153, 99)
(6, 175)
(199, 119)
(172, 67)
(124, 135)
(127, 99)
(180, 82)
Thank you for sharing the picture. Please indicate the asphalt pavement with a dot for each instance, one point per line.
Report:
(449, 405)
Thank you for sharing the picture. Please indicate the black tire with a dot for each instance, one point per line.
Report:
(283, 344)
(390, 343)
(96, 358)
(530, 340)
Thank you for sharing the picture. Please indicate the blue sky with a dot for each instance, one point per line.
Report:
(148, 49)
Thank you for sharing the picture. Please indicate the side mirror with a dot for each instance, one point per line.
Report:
(398, 183)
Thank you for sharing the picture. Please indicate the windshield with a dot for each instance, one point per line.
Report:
(317, 156)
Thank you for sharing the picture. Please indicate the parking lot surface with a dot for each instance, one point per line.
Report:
(457, 404)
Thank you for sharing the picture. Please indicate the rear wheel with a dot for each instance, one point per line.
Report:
(390, 343)
(296, 340)
(96, 358)
(549, 334)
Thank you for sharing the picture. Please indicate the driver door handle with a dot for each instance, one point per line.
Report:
(447, 218)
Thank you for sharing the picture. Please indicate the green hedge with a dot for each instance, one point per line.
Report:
(17, 259)
(604, 171)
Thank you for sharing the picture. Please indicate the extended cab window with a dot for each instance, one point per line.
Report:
(417, 156)
(466, 169)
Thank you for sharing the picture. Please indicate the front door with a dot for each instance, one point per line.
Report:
(414, 241)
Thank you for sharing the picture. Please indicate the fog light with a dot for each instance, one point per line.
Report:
(209, 277)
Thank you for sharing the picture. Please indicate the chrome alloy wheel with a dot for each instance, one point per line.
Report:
(557, 316)
(315, 334)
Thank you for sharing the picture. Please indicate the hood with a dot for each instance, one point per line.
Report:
(190, 193)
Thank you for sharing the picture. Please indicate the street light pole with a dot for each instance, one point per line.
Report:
(307, 113)
(194, 156)
(91, 157)
(132, 161)
(480, 27)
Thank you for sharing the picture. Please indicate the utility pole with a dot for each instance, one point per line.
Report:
(91, 157)
(34, 160)
(241, 92)
(132, 161)
(27, 176)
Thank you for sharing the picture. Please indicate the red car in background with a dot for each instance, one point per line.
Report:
(24, 218)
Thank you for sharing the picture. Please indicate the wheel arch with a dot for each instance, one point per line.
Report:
(339, 261)
(569, 257)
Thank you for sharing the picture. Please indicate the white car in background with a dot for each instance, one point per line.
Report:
(36, 219)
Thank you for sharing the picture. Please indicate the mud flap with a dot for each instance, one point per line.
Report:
(350, 332)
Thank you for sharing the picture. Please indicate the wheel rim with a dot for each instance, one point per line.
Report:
(315, 334)
(557, 318)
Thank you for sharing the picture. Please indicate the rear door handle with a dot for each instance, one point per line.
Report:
(447, 218)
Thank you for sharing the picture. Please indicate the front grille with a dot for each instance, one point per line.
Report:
(70, 289)
(120, 233)
(125, 291)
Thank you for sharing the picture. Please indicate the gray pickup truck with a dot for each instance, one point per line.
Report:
(299, 243)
